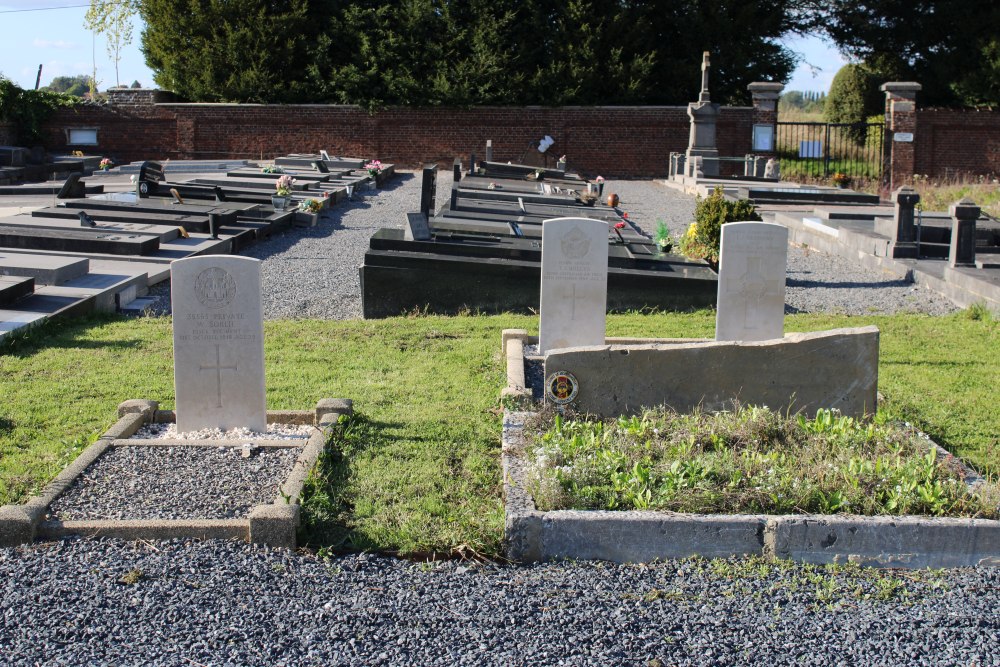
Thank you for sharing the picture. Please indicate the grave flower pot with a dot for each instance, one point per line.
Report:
(279, 202)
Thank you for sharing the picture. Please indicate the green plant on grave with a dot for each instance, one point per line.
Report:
(272, 169)
(664, 242)
(704, 235)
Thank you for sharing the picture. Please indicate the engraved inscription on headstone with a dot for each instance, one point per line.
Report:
(751, 302)
(574, 283)
(218, 343)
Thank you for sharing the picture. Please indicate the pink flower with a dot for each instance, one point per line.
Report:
(619, 225)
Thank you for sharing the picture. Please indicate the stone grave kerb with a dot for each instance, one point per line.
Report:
(751, 292)
(574, 284)
(218, 343)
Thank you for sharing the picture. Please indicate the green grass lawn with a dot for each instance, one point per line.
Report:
(419, 471)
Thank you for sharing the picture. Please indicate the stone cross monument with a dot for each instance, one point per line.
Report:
(703, 115)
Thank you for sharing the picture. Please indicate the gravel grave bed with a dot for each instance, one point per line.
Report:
(137, 482)
(168, 431)
(313, 272)
(84, 601)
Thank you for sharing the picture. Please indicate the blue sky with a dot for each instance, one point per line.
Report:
(57, 39)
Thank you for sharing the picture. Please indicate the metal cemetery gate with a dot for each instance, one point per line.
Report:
(819, 150)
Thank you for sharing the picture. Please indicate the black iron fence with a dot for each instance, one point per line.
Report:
(820, 150)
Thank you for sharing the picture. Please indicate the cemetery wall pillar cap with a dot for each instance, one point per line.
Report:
(964, 209)
(905, 89)
(766, 90)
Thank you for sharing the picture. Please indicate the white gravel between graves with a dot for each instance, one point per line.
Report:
(313, 272)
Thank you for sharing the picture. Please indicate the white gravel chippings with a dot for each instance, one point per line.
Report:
(313, 272)
(103, 602)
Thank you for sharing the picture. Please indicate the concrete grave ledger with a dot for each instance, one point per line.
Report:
(751, 302)
(218, 343)
(574, 295)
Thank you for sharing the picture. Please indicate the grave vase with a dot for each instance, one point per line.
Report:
(279, 202)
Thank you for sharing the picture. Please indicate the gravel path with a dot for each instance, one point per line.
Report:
(95, 602)
(313, 272)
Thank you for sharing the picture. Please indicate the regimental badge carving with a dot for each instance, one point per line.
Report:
(575, 244)
(561, 387)
(215, 288)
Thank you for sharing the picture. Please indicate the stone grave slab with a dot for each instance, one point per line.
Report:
(78, 241)
(751, 302)
(45, 269)
(574, 286)
(162, 232)
(218, 343)
(13, 288)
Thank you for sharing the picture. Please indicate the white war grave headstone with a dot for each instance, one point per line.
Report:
(751, 301)
(574, 283)
(218, 343)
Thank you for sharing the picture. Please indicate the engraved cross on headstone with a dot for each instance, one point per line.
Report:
(218, 368)
(703, 97)
(753, 286)
(573, 299)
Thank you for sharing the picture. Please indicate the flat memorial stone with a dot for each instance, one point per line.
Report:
(751, 301)
(574, 283)
(218, 343)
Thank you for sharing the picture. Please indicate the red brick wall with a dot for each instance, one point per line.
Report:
(953, 142)
(611, 141)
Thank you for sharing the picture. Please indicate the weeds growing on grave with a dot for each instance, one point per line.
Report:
(750, 460)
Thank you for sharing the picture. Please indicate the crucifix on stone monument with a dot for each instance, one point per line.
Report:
(703, 97)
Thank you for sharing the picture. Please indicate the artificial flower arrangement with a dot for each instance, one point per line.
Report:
(283, 186)
(106, 164)
(272, 169)
(841, 180)
(311, 206)
(374, 168)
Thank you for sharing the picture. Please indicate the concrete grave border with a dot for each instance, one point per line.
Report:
(531, 535)
(273, 524)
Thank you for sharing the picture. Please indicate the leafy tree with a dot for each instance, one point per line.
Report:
(231, 50)
(854, 96)
(113, 19)
(948, 46)
(71, 85)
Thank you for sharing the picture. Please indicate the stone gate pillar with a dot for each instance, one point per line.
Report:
(901, 130)
(765, 121)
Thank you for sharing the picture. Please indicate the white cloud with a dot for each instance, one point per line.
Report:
(54, 44)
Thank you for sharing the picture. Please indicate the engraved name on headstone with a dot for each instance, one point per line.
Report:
(218, 343)
(751, 301)
(574, 283)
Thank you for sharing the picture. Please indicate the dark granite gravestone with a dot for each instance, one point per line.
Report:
(456, 168)
(72, 188)
(904, 232)
(416, 227)
(428, 190)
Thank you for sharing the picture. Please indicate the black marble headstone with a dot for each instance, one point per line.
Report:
(428, 190)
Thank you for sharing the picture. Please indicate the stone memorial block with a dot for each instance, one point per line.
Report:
(751, 302)
(904, 231)
(218, 343)
(962, 249)
(574, 283)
